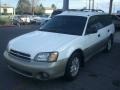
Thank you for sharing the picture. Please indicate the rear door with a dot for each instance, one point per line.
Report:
(106, 30)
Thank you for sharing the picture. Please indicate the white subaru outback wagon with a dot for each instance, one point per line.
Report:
(61, 46)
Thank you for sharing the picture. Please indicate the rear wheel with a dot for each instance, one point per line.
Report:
(109, 45)
(73, 67)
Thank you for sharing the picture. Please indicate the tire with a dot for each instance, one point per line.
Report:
(109, 45)
(73, 67)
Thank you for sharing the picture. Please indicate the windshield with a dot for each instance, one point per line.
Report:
(73, 25)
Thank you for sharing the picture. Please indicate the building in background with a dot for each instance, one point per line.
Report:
(7, 10)
(48, 10)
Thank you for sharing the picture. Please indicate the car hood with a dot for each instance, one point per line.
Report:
(39, 41)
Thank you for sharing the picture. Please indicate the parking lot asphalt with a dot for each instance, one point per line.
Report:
(102, 72)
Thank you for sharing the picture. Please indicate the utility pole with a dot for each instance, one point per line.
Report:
(110, 7)
(89, 4)
(65, 5)
(33, 7)
(93, 3)
(0, 9)
(34, 3)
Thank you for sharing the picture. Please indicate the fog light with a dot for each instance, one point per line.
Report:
(42, 76)
(45, 75)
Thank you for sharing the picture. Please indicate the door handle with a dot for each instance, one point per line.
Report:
(98, 35)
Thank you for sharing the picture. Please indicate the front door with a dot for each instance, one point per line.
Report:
(93, 36)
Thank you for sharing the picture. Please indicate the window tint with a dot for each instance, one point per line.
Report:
(118, 16)
(98, 22)
(73, 25)
(114, 17)
(105, 19)
(94, 25)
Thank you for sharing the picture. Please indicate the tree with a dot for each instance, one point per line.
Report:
(42, 9)
(23, 7)
(39, 9)
(34, 4)
(110, 7)
(53, 6)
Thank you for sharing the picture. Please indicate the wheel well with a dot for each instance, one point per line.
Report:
(81, 55)
(112, 37)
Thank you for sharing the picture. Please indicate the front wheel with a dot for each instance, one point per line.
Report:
(73, 67)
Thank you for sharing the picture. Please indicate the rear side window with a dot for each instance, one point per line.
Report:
(105, 19)
(114, 17)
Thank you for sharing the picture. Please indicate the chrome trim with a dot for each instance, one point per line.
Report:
(19, 55)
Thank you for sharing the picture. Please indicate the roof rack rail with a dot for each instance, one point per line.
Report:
(92, 10)
(74, 10)
(87, 10)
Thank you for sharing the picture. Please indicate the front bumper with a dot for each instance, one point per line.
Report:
(39, 70)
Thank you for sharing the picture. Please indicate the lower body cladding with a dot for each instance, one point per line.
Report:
(38, 70)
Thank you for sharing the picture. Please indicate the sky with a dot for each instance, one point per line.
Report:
(76, 4)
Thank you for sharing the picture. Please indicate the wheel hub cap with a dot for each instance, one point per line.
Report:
(75, 66)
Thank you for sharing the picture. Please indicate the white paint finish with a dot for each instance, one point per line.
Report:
(36, 42)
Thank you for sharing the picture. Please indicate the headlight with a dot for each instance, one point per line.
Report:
(46, 56)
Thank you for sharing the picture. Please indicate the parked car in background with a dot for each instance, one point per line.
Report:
(116, 21)
(16, 19)
(54, 13)
(43, 19)
(21, 19)
(118, 12)
(35, 18)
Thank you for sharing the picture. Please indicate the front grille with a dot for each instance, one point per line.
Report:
(20, 55)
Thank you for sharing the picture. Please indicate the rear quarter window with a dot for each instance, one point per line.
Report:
(106, 20)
